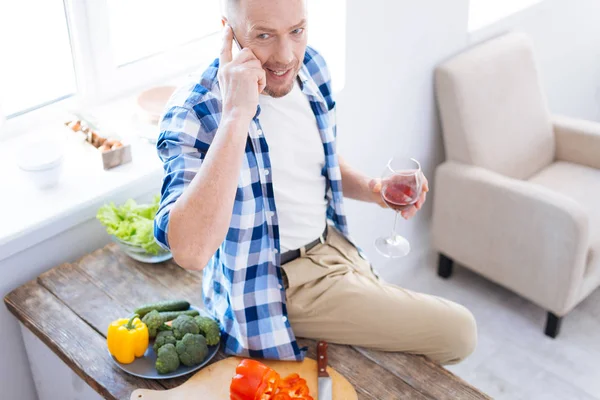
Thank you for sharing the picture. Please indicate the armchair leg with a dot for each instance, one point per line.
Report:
(445, 265)
(552, 325)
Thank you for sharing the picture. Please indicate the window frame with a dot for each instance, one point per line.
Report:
(111, 80)
(98, 79)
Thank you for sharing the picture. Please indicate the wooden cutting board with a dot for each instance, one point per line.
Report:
(212, 382)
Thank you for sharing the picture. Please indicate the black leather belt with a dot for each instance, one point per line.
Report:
(293, 254)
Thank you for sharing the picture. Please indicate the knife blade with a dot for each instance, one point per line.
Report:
(325, 385)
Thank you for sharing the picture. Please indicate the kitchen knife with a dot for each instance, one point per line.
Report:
(324, 380)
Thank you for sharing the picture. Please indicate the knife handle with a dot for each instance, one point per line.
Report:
(322, 359)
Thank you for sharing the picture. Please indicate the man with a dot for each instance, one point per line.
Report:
(251, 179)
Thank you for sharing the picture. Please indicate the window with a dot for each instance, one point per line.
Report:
(136, 42)
(36, 68)
(486, 12)
(142, 28)
(62, 55)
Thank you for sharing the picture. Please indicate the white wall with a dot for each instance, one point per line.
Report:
(566, 36)
(387, 107)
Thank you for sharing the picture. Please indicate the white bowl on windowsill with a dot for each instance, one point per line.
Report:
(42, 163)
(152, 102)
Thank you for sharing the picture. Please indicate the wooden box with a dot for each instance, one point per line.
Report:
(112, 152)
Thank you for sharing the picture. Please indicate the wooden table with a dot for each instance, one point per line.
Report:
(70, 307)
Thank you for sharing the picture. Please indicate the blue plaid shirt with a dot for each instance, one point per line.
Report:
(242, 283)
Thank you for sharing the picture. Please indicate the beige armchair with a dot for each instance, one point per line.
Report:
(518, 198)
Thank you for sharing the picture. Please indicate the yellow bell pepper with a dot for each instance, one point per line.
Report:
(127, 339)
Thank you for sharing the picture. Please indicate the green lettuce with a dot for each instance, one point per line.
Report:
(132, 223)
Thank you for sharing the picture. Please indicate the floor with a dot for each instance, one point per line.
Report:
(514, 359)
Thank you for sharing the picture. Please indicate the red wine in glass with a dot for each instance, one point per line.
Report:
(400, 191)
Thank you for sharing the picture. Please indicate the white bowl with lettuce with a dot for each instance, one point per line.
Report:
(131, 226)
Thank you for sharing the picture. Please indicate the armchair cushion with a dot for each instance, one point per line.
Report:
(578, 141)
(581, 184)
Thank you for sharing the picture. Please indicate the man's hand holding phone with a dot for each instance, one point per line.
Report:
(241, 79)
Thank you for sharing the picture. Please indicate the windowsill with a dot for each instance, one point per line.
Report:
(32, 215)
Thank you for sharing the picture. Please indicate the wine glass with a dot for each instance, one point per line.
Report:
(401, 187)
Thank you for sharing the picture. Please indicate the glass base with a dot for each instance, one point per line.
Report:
(392, 246)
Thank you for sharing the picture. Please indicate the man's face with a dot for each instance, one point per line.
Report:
(275, 30)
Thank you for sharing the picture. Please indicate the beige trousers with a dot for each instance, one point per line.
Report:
(333, 295)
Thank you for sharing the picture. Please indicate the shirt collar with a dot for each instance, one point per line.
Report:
(308, 85)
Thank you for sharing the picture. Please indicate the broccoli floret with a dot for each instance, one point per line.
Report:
(209, 328)
(182, 325)
(163, 337)
(168, 360)
(192, 349)
(153, 321)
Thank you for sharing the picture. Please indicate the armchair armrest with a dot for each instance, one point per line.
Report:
(577, 141)
(516, 233)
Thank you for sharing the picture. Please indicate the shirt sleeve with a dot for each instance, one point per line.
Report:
(182, 146)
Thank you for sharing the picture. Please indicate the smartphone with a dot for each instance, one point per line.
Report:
(237, 44)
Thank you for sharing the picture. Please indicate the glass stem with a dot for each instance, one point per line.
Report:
(393, 237)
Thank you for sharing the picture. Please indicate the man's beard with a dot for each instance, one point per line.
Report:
(280, 92)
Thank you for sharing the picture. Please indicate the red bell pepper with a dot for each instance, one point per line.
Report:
(253, 381)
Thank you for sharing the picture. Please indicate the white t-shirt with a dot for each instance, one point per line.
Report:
(297, 159)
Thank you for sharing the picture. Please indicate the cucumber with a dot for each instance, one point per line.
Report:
(167, 305)
(171, 315)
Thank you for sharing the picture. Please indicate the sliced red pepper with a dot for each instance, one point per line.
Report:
(253, 381)
(293, 387)
(282, 396)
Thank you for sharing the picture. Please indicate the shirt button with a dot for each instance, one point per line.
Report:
(260, 132)
(271, 214)
(284, 318)
(275, 251)
(280, 287)
(267, 172)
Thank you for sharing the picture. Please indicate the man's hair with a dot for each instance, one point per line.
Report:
(229, 6)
